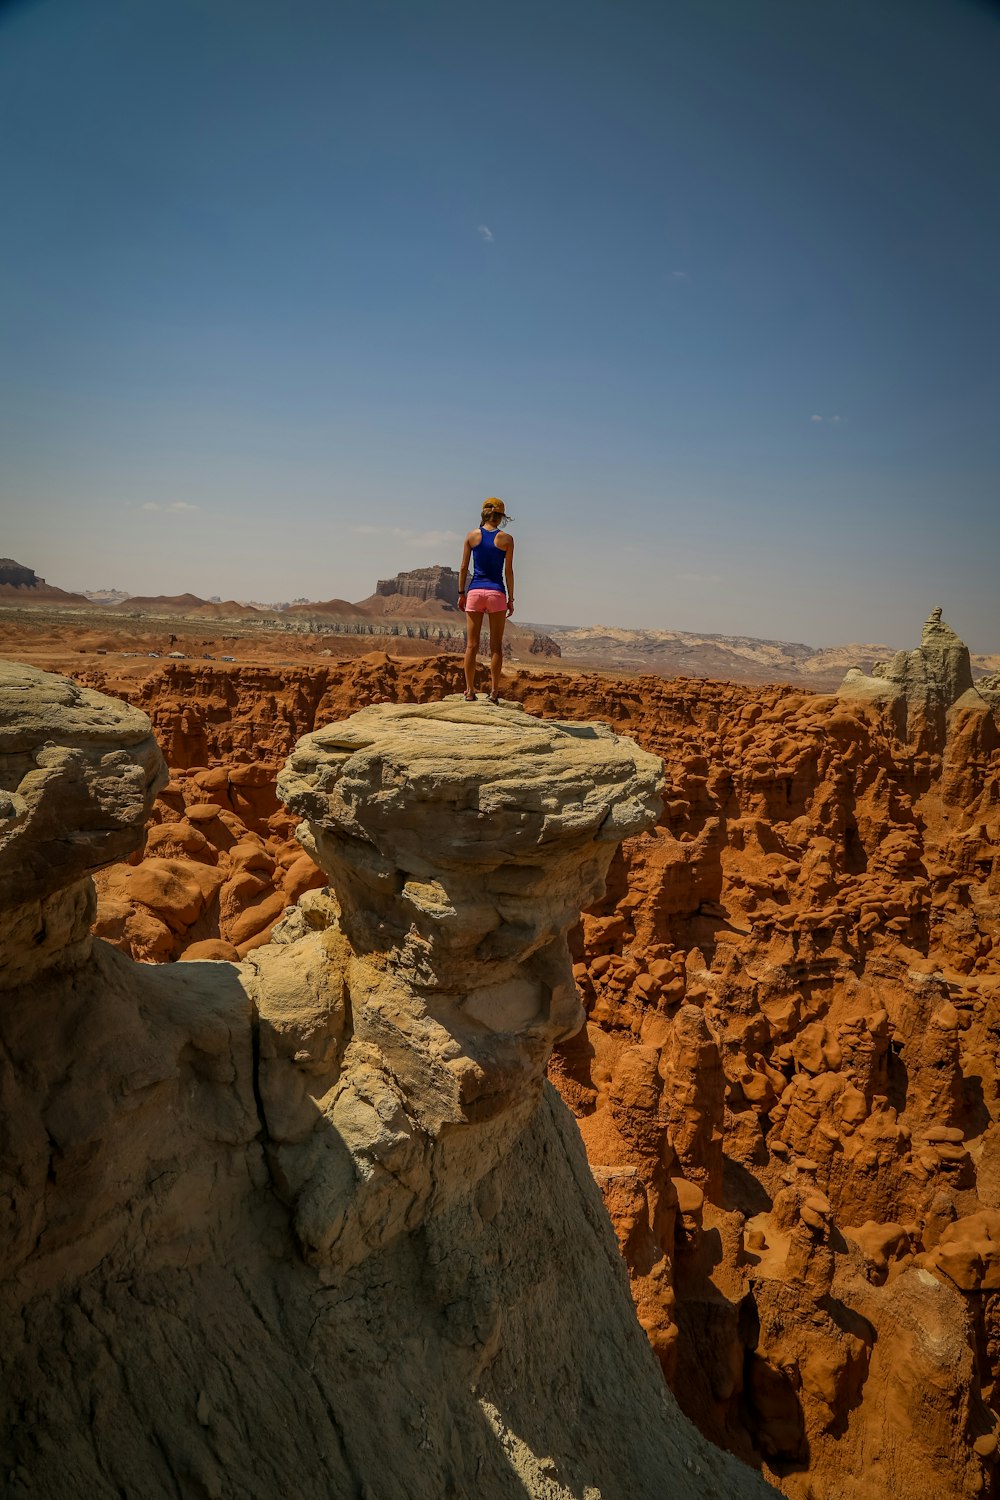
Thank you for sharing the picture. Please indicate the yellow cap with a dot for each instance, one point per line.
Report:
(495, 505)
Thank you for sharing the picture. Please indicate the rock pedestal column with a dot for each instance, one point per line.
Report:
(461, 842)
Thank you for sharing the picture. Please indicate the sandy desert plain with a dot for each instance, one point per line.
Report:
(788, 1080)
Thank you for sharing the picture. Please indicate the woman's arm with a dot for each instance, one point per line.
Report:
(463, 571)
(508, 574)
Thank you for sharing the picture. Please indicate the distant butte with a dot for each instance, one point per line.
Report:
(422, 583)
(21, 585)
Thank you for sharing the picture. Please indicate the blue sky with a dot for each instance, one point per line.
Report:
(706, 289)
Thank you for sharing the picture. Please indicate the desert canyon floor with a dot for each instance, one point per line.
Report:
(788, 1080)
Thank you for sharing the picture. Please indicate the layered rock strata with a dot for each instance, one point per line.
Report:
(17, 575)
(317, 1221)
(460, 844)
(422, 583)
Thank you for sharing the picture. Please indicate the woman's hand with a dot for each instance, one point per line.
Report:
(461, 601)
(510, 608)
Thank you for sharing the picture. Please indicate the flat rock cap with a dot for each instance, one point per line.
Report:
(43, 708)
(470, 777)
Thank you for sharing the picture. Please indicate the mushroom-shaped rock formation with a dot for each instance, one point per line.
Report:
(461, 843)
(316, 1221)
(456, 835)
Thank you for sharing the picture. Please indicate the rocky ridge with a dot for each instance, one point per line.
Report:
(734, 657)
(69, 758)
(319, 1214)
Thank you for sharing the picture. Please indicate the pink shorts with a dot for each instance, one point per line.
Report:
(485, 601)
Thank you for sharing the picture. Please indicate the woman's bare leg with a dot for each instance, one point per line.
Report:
(497, 623)
(473, 629)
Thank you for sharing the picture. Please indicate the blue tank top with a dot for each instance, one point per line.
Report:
(487, 563)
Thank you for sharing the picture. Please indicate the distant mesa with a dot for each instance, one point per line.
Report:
(420, 603)
(435, 586)
(423, 593)
(18, 575)
(422, 583)
(21, 585)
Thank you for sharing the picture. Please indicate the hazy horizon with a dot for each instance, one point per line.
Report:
(911, 640)
(706, 292)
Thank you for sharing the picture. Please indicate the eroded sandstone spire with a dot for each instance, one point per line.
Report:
(461, 842)
(946, 656)
(920, 686)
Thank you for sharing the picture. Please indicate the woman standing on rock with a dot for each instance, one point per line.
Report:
(491, 592)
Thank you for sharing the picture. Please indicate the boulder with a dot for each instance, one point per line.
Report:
(79, 772)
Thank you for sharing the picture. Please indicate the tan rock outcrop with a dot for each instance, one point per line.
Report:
(461, 842)
(318, 1220)
(78, 774)
(919, 686)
